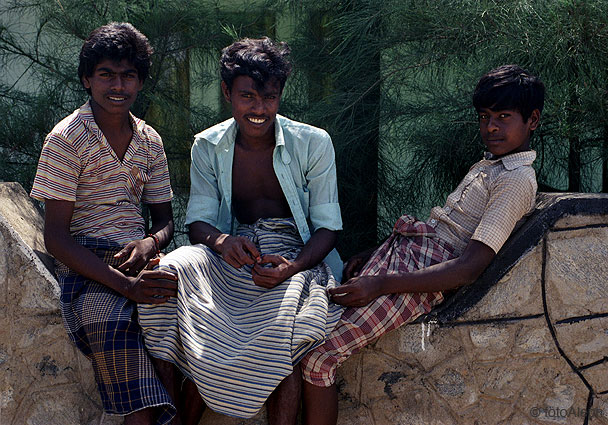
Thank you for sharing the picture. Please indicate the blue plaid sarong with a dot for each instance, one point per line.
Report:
(103, 326)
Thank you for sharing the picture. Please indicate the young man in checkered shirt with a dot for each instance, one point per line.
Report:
(403, 278)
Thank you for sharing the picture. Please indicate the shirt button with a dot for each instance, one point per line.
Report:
(433, 221)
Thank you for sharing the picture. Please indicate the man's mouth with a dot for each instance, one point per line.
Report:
(117, 98)
(255, 120)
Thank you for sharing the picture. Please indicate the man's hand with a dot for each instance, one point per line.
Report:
(353, 266)
(151, 287)
(358, 291)
(237, 250)
(137, 254)
(272, 270)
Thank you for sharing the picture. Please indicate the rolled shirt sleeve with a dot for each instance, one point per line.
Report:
(158, 188)
(512, 196)
(204, 202)
(58, 170)
(322, 186)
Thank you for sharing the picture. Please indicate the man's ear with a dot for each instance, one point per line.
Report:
(225, 91)
(85, 82)
(534, 119)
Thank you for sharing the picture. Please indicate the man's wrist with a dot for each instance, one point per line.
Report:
(216, 241)
(156, 242)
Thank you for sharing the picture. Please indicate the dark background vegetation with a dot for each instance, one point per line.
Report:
(391, 81)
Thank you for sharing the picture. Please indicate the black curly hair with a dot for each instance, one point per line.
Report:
(510, 87)
(115, 41)
(261, 59)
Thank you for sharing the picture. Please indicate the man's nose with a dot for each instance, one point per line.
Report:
(258, 106)
(117, 83)
(492, 125)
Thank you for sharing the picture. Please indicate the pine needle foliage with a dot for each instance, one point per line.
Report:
(390, 80)
(431, 55)
(40, 41)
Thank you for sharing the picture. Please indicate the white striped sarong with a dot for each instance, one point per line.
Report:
(235, 340)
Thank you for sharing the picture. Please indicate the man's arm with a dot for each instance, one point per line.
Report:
(138, 253)
(314, 251)
(360, 291)
(152, 287)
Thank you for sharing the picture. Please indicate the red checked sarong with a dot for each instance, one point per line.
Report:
(413, 245)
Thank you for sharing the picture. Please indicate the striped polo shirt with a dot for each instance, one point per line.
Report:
(78, 164)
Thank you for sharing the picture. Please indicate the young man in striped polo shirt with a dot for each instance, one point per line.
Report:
(95, 169)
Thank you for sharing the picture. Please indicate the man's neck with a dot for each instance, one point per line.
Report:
(111, 124)
(255, 143)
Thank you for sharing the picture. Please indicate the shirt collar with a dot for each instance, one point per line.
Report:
(514, 160)
(224, 134)
(86, 114)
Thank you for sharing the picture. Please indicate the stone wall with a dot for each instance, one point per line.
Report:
(526, 344)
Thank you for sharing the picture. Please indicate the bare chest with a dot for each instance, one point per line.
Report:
(256, 191)
(253, 176)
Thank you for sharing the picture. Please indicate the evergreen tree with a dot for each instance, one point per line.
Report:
(43, 39)
(431, 55)
(390, 80)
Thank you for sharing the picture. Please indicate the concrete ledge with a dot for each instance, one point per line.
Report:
(550, 209)
(525, 344)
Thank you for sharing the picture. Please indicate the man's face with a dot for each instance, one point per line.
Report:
(114, 85)
(504, 132)
(254, 108)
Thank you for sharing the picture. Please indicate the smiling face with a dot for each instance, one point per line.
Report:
(114, 86)
(505, 131)
(254, 108)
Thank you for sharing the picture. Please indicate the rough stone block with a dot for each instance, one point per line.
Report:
(423, 344)
(456, 383)
(550, 384)
(584, 342)
(517, 294)
(384, 376)
(533, 338)
(20, 212)
(577, 267)
(489, 342)
(486, 411)
(423, 409)
(597, 376)
(599, 412)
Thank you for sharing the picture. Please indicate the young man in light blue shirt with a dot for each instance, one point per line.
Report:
(263, 215)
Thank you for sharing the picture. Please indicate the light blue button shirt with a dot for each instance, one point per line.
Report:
(303, 161)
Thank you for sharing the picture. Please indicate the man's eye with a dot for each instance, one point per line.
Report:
(483, 117)
(505, 115)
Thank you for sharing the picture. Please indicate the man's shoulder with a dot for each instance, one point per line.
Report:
(66, 127)
(301, 130)
(216, 133)
(146, 131)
